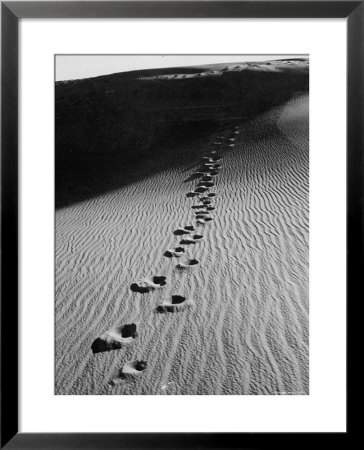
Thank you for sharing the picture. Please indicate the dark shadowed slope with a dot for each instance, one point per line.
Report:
(107, 127)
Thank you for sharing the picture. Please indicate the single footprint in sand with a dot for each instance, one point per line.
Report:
(191, 194)
(201, 216)
(146, 286)
(115, 338)
(206, 178)
(203, 221)
(129, 369)
(177, 252)
(187, 241)
(181, 231)
(195, 238)
(187, 263)
(201, 206)
(201, 189)
(174, 304)
(134, 367)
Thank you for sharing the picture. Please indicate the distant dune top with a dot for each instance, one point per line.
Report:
(196, 71)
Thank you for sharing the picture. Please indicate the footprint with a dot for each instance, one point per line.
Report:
(161, 281)
(197, 237)
(206, 178)
(174, 304)
(187, 263)
(187, 241)
(177, 252)
(191, 194)
(146, 286)
(210, 208)
(115, 338)
(189, 228)
(134, 367)
(201, 189)
(211, 194)
(181, 231)
(130, 370)
(203, 221)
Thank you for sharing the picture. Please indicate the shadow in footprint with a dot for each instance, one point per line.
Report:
(129, 370)
(206, 184)
(159, 280)
(187, 241)
(135, 287)
(206, 178)
(174, 304)
(201, 189)
(187, 264)
(180, 231)
(114, 338)
(147, 286)
(178, 251)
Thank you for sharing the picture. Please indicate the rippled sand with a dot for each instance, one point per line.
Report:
(246, 329)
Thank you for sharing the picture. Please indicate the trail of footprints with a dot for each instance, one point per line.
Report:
(189, 235)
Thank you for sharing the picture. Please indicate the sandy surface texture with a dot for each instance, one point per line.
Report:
(231, 315)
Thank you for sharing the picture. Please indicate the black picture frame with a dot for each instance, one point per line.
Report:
(11, 13)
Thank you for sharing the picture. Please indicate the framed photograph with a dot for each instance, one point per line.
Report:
(181, 221)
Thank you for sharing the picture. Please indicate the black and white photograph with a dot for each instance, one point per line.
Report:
(181, 224)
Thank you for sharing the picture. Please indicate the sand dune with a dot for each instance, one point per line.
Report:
(236, 322)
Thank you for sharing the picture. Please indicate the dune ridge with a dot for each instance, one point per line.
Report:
(247, 332)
